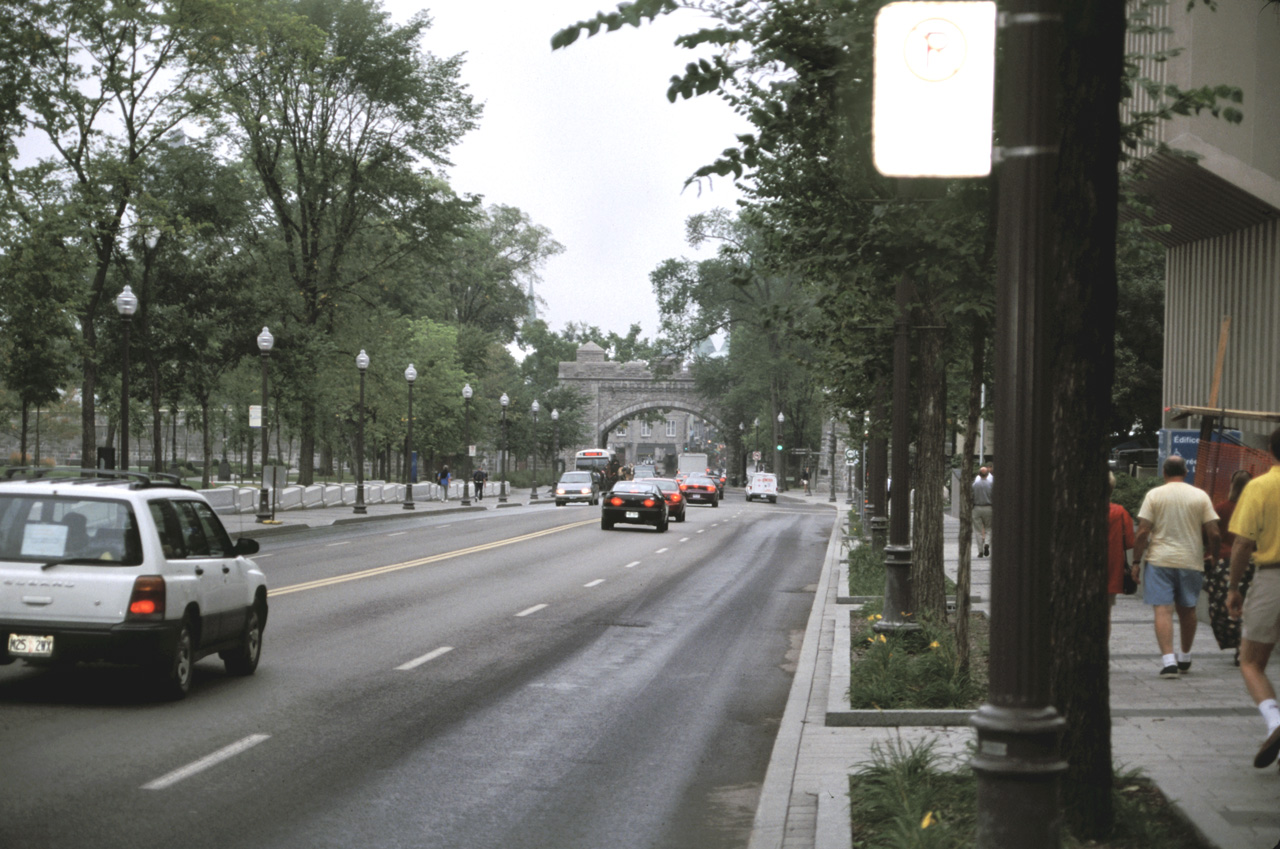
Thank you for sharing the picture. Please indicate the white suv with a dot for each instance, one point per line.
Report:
(127, 568)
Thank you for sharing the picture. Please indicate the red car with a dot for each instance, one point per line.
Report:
(701, 489)
(671, 493)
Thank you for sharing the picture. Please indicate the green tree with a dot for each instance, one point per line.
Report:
(341, 114)
(120, 79)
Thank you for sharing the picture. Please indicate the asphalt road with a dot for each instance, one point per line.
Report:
(516, 678)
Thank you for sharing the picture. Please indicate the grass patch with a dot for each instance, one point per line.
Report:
(866, 571)
(910, 797)
(914, 670)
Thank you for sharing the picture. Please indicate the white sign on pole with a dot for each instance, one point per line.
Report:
(849, 453)
(255, 415)
(471, 451)
(934, 88)
(755, 455)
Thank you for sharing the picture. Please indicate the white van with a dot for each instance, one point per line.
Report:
(763, 485)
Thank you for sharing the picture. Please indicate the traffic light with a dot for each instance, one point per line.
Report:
(779, 447)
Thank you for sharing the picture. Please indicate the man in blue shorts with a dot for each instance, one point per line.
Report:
(1173, 524)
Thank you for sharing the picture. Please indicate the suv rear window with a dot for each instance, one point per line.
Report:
(56, 529)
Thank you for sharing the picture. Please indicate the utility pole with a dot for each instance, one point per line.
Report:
(1018, 764)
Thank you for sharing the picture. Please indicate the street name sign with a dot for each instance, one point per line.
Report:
(933, 97)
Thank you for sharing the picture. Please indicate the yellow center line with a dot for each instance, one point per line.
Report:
(409, 564)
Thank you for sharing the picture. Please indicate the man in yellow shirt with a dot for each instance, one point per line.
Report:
(1256, 524)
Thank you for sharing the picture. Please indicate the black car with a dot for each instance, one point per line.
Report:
(675, 498)
(636, 503)
(577, 486)
(701, 489)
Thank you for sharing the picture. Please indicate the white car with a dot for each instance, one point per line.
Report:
(763, 485)
(124, 568)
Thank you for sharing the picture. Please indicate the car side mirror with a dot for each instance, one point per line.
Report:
(245, 546)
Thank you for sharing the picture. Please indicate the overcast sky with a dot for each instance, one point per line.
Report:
(584, 140)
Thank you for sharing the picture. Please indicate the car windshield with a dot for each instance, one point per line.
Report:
(664, 484)
(575, 477)
(53, 529)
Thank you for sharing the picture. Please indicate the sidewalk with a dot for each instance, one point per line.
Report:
(1195, 736)
(300, 519)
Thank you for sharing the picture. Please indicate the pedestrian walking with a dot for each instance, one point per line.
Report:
(982, 511)
(478, 477)
(1226, 629)
(1119, 541)
(1256, 525)
(1173, 522)
(444, 483)
(804, 478)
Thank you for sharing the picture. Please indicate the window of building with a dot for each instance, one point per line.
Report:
(671, 428)
(646, 429)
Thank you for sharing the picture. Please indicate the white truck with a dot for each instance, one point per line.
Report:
(691, 464)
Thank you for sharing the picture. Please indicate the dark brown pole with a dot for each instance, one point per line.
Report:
(899, 600)
(1018, 763)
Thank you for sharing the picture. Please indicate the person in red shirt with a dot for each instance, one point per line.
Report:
(1119, 540)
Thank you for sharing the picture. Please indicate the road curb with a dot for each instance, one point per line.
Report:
(769, 826)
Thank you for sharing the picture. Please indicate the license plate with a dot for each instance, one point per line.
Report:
(29, 645)
(633, 515)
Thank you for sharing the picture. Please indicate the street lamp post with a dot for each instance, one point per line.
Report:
(899, 595)
(741, 471)
(777, 447)
(362, 365)
(265, 342)
(126, 305)
(410, 375)
(832, 498)
(555, 444)
(466, 435)
(533, 495)
(755, 426)
(502, 491)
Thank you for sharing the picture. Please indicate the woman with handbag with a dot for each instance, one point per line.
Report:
(1121, 577)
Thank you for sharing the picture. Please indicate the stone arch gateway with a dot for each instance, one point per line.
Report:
(617, 392)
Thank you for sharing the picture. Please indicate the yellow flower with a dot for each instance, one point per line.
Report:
(928, 820)
(882, 639)
(933, 645)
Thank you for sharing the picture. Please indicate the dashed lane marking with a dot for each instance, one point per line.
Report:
(531, 610)
(661, 550)
(335, 544)
(597, 582)
(204, 763)
(429, 656)
(398, 534)
(685, 539)
(423, 561)
(632, 564)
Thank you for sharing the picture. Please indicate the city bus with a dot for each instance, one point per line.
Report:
(601, 461)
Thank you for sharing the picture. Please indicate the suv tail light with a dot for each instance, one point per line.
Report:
(147, 600)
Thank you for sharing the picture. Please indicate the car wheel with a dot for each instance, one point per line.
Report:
(715, 502)
(243, 659)
(663, 525)
(773, 499)
(606, 525)
(559, 503)
(680, 518)
(176, 670)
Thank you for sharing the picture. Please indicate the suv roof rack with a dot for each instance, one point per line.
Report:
(95, 477)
